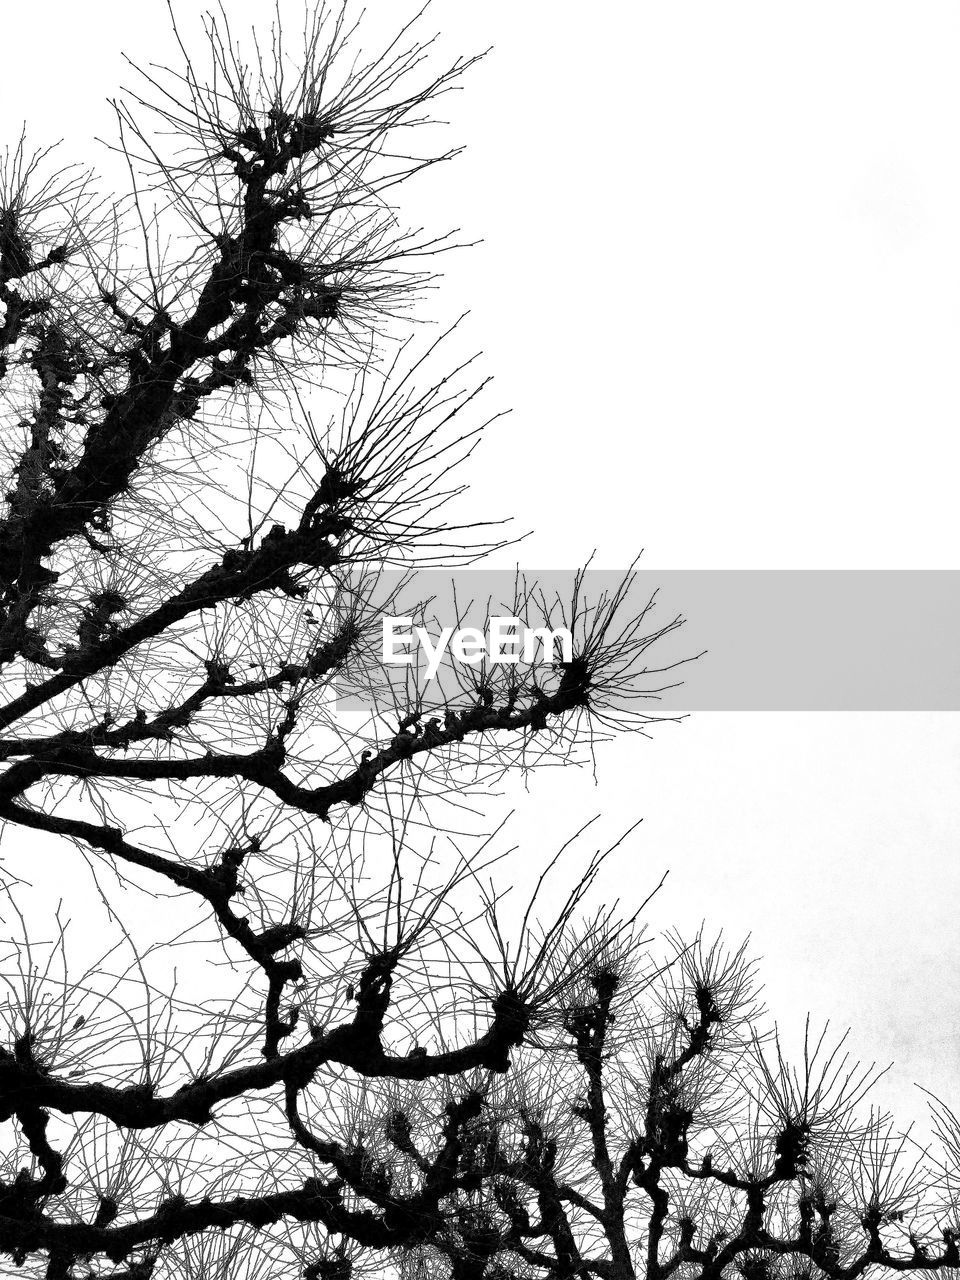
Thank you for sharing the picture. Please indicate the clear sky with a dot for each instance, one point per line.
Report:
(719, 286)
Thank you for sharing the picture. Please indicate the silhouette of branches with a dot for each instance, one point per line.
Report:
(190, 569)
(306, 1033)
(665, 1134)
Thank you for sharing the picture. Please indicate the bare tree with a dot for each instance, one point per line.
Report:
(658, 1129)
(314, 1040)
(189, 576)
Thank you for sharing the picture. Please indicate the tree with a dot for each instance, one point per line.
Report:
(314, 1041)
(661, 1131)
(189, 572)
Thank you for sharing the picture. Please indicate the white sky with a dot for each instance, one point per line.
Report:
(719, 285)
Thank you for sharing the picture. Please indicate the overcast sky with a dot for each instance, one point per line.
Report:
(719, 287)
